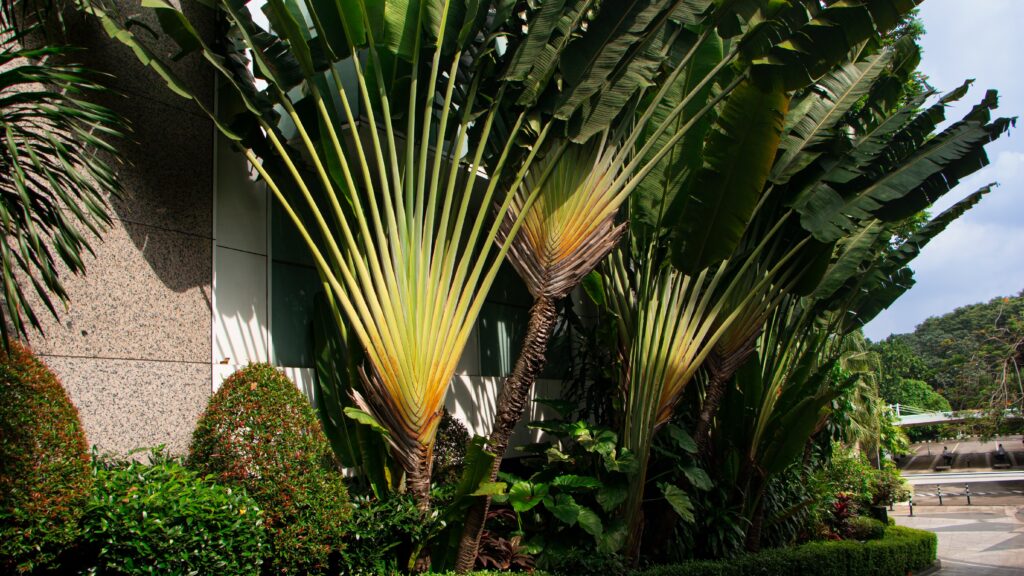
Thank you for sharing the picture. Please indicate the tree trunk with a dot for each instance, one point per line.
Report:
(417, 482)
(511, 405)
(722, 366)
(756, 523)
(708, 410)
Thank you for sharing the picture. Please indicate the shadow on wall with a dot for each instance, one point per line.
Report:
(166, 163)
(473, 400)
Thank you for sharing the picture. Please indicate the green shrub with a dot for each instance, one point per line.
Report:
(44, 464)
(900, 551)
(259, 433)
(165, 519)
(864, 528)
(888, 487)
(449, 450)
(382, 535)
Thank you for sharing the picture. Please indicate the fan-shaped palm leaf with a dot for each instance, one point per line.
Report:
(54, 182)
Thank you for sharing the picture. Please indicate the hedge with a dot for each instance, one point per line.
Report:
(45, 476)
(165, 519)
(900, 551)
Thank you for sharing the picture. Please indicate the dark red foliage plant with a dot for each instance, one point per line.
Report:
(45, 475)
(260, 433)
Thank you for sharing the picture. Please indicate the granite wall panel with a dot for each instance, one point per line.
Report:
(145, 296)
(134, 347)
(128, 404)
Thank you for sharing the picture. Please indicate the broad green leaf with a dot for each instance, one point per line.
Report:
(852, 252)
(524, 496)
(679, 501)
(366, 419)
(574, 482)
(814, 118)
(738, 156)
(671, 176)
(612, 495)
(593, 285)
(477, 465)
(563, 507)
(614, 537)
(681, 438)
(829, 214)
(556, 455)
(590, 521)
(698, 477)
(490, 489)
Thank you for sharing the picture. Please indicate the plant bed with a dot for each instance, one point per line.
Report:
(900, 551)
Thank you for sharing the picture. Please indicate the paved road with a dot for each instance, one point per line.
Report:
(968, 454)
(974, 541)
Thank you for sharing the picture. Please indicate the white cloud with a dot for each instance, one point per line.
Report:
(969, 262)
(980, 256)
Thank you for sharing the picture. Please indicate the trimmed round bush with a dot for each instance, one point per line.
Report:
(260, 433)
(164, 519)
(863, 528)
(45, 477)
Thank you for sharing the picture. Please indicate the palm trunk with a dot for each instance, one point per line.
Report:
(722, 366)
(756, 524)
(511, 405)
(708, 410)
(417, 482)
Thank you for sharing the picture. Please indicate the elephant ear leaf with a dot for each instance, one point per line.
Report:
(738, 157)
(679, 501)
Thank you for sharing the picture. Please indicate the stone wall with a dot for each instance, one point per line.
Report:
(133, 350)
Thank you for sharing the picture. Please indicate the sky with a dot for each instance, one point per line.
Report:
(981, 255)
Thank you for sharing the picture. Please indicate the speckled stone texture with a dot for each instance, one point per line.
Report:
(127, 404)
(146, 296)
(134, 347)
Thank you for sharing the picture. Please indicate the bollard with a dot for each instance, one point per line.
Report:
(939, 491)
(911, 505)
(967, 490)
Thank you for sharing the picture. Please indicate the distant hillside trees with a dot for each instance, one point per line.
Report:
(972, 356)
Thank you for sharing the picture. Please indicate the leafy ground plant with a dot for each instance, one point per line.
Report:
(161, 518)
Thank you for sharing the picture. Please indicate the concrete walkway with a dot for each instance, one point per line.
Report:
(975, 540)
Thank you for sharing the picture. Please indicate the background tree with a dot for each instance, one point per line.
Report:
(971, 355)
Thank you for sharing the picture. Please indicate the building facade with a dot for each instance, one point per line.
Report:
(201, 274)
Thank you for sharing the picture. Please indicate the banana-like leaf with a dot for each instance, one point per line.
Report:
(952, 173)
(650, 201)
(550, 31)
(599, 79)
(738, 156)
(912, 246)
(828, 213)
(881, 288)
(851, 253)
(815, 116)
(804, 56)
